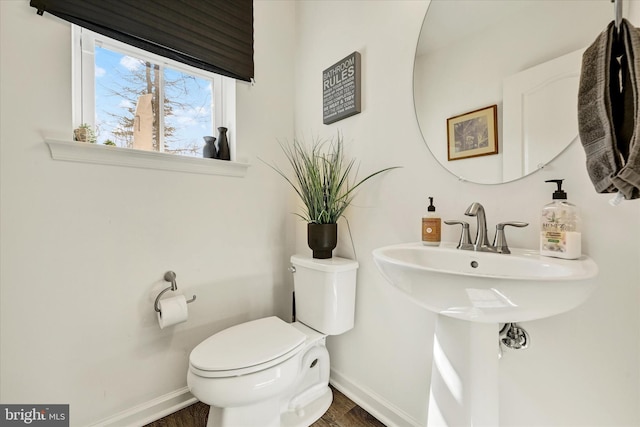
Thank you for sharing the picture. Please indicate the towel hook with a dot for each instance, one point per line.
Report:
(170, 277)
(617, 7)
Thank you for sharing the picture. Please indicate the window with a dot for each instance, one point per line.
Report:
(135, 99)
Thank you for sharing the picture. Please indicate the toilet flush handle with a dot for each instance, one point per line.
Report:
(292, 268)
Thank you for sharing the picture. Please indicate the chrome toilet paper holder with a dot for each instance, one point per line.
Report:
(170, 277)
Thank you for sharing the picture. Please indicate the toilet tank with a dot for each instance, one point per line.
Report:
(325, 293)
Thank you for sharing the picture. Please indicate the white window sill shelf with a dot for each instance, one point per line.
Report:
(109, 155)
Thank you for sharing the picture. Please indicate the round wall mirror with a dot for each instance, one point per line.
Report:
(496, 82)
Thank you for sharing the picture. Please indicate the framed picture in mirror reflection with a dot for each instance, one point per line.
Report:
(473, 134)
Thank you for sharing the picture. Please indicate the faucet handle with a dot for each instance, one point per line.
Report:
(465, 237)
(500, 241)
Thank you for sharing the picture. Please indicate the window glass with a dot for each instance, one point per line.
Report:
(187, 111)
(145, 105)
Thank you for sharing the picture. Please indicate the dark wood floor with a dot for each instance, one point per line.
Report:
(342, 413)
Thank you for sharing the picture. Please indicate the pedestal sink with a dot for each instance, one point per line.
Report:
(487, 287)
(473, 292)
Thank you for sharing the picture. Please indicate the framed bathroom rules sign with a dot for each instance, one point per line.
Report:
(341, 89)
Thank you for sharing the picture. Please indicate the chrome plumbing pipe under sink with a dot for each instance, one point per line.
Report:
(513, 336)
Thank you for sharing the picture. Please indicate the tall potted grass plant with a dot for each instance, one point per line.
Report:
(326, 182)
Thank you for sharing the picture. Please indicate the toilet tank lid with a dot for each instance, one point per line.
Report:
(245, 345)
(335, 264)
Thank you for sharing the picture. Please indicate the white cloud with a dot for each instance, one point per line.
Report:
(125, 103)
(201, 111)
(186, 120)
(130, 63)
(189, 116)
(100, 71)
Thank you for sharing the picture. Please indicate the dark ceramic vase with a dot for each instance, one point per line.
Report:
(209, 150)
(322, 239)
(223, 144)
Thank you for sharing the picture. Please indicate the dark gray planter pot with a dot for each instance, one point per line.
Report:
(322, 239)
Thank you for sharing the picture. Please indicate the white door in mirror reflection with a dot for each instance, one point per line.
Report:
(540, 113)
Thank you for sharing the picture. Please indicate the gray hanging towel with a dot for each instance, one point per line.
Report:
(608, 113)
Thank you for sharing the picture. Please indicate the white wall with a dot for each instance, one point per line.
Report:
(582, 368)
(84, 247)
(82, 242)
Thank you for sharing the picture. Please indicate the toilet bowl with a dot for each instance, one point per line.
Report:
(269, 373)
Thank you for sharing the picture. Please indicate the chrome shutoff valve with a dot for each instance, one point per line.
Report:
(514, 337)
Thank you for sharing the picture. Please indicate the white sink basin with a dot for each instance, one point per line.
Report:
(487, 287)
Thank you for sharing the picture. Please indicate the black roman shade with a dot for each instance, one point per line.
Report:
(213, 35)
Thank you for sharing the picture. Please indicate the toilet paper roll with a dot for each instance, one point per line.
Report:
(172, 311)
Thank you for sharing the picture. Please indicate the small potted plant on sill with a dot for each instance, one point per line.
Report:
(322, 178)
(84, 133)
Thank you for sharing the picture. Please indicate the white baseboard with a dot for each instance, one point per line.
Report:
(145, 413)
(150, 411)
(385, 411)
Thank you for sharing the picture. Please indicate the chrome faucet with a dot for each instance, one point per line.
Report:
(465, 237)
(500, 241)
(482, 241)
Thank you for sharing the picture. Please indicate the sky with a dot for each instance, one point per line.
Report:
(192, 118)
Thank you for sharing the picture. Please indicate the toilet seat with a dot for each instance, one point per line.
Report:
(246, 348)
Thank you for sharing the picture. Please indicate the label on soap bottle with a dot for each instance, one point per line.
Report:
(431, 231)
(561, 244)
(558, 237)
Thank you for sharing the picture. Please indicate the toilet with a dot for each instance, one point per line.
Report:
(270, 373)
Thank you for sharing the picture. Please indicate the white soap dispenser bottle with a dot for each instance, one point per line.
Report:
(560, 235)
(431, 226)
